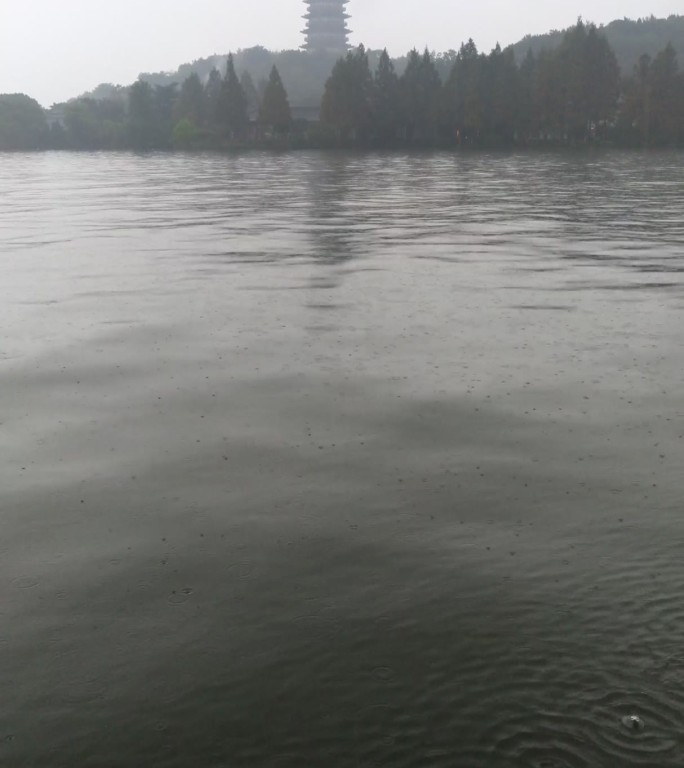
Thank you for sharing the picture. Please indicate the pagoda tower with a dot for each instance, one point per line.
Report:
(326, 26)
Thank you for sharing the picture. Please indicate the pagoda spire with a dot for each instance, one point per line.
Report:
(326, 26)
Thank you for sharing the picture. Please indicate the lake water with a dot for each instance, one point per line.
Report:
(341, 460)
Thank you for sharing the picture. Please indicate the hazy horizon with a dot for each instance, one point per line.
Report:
(54, 53)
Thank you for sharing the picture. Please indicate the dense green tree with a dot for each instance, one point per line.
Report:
(464, 96)
(589, 81)
(275, 107)
(667, 99)
(347, 101)
(420, 90)
(94, 124)
(212, 98)
(550, 96)
(82, 124)
(251, 95)
(186, 134)
(164, 107)
(501, 96)
(151, 111)
(444, 63)
(191, 104)
(386, 103)
(57, 137)
(141, 111)
(601, 80)
(634, 122)
(108, 92)
(527, 114)
(232, 103)
(23, 125)
(652, 112)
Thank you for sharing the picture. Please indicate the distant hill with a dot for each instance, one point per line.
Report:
(303, 74)
(629, 39)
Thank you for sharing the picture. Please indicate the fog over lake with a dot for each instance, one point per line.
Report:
(341, 459)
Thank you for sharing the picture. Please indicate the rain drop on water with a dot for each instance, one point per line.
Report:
(633, 723)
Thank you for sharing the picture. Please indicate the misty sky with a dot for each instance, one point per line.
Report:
(56, 49)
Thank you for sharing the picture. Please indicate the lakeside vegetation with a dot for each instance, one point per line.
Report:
(571, 94)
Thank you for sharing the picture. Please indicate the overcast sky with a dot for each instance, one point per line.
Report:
(56, 49)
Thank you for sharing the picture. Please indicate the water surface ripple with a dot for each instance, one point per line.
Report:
(341, 460)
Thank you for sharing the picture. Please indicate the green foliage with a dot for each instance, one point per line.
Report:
(386, 100)
(348, 96)
(212, 97)
(548, 97)
(151, 115)
(502, 88)
(420, 97)
(589, 81)
(464, 107)
(653, 110)
(57, 137)
(92, 124)
(251, 95)
(667, 99)
(164, 107)
(275, 107)
(23, 125)
(141, 115)
(232, 104)
(191, 104)
(568, 95)
(186, 134)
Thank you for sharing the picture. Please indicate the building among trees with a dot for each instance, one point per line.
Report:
(326, 27)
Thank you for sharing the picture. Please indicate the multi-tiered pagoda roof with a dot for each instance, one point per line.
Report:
(326, 28)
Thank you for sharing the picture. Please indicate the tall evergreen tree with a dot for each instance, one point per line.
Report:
(251, 95)
(635, 117)
(590, 79)
(501, 96)
(602, 80)
(141, 114)
(275, 107)
(348, 96)
(527, 116)
(420, 89)
(550, 94)
(386, 109)
(465, 95)
(667, 99)
(165, 97)
(191, 104)
(212, 97)
(232, 104)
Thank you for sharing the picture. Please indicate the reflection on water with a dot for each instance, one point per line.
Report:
(341, 460)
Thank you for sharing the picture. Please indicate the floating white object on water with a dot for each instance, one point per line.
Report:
(633, 723)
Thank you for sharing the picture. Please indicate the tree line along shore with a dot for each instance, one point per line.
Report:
(572, 95)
